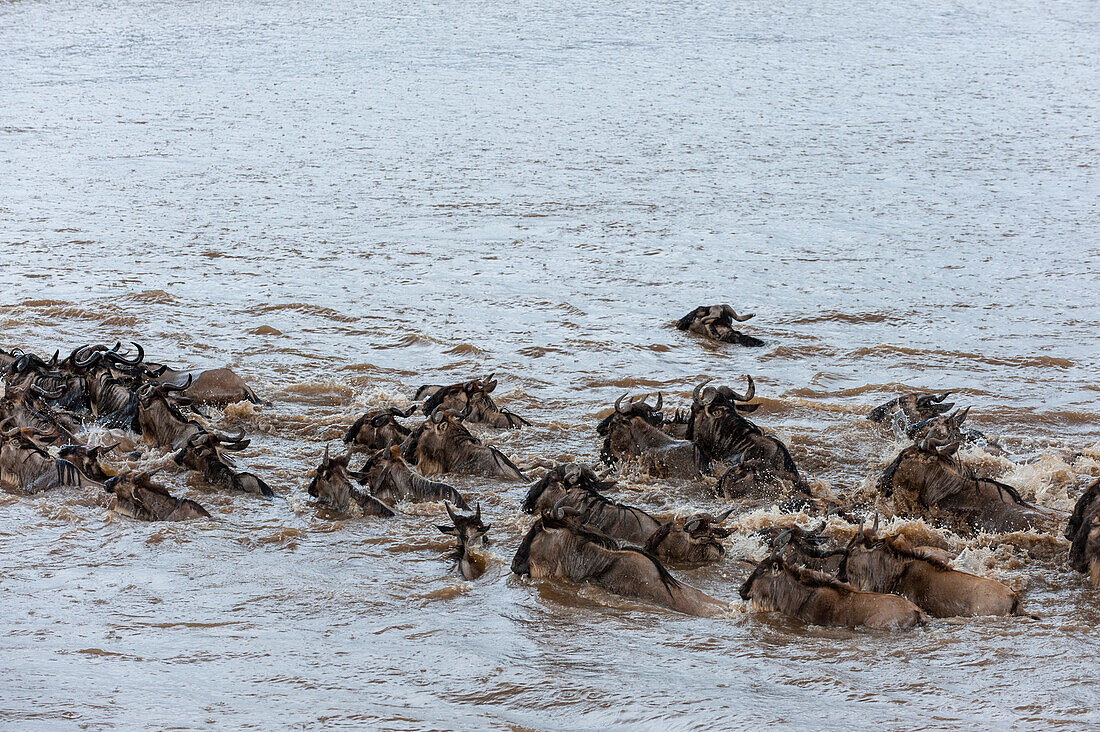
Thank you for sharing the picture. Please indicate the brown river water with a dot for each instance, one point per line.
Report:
(344, 200)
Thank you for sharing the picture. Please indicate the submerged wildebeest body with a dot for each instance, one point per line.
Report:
(471, 401)
(1083, 531)
(25, 408)
(136, 496)
(716, 323)
(391, 480)
(760, 461)
(470, 532)
(331, 484)
(948, 427)
(202, 453)
(576, 489)
(379, 429)
(559, 547)
(924, 480)
(820, 599)
(212, 386)
(443, 445)
(879, 564)
(633, 432)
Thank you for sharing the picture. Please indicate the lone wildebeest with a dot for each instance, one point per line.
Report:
(716, 323)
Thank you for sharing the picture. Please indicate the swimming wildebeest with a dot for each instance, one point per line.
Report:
(576, 488)
(805, 547)
(331, 484)
(203, 454)
(950, 428)
(909, 409)
(719, 431)
(879, 564)
(470, 531)
(163, 424)
(1083, 530)
(560, 547)
(819, 599)
(471, 401)
(633, 431)
(926, 481)
(87, 460)
(443, 445)
(26, 467)
(391, 480)
(137, 496)
(716, 322)
(379, 429)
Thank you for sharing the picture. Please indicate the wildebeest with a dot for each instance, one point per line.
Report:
(819, 599)
(331, 484)
(379, 429)
(694, 539)
(471, 532)
(87, 460)
(202, 453)
(805, 547)
(26, 408)
(634, 431)
(1083, 530)
(909, 409)
(561, 547)
(716, 322)
(26, 467)
(211, 386)
(390, 480)
(443, 445)
(163, 424)
(950, 428)
(880, 564)
(471, 401)
(719, 431)
(926, 481)
(137, 496)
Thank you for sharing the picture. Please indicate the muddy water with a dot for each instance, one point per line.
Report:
(344, 200)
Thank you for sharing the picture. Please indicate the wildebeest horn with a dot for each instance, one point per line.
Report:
(72, 356)
(53, 361)
(941, 397)
(749, 393)
(779, 543)
(437, 415)
(477, 512)
(961, 415)
(398, 413)
(185, 387)
(618, 402)
(874, 529)
(660, 401)
(447, 505)
(84, 362)
(118, 345)
(326, 458)
(696, 391)
(724, 516)
(129, 362)
(36, 389)
(733, 314)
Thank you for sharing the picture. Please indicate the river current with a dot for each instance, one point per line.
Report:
(344, 200)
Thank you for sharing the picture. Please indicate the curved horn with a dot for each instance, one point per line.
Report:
(728, 309)
(695, 393)
(87, 361)
(660, 401)
(185, 387)
(941, 397)
(960, 416)
(749, 393)
(447, 505)
(398, 413)
(128, 362)
(724, 516)
(618, 402)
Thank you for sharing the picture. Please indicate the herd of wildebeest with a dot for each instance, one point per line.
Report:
(579, 533)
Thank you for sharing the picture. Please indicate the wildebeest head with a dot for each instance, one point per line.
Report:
(944, 428)
(472, 401)
(138, 496)
(692, 540)
(332, 484)
(442, 444)
(379, 428)
(717, 426)
(636, 408)
(469, 530)
(87, 459)
(912, 408)
(560, 480)
(717, 322)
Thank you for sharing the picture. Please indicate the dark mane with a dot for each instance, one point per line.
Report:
(884, 483)
(1084, 503)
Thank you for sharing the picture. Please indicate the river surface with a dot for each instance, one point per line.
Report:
(345, 200)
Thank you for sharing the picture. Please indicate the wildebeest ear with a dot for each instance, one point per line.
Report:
(490, 383)
(447, 529)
